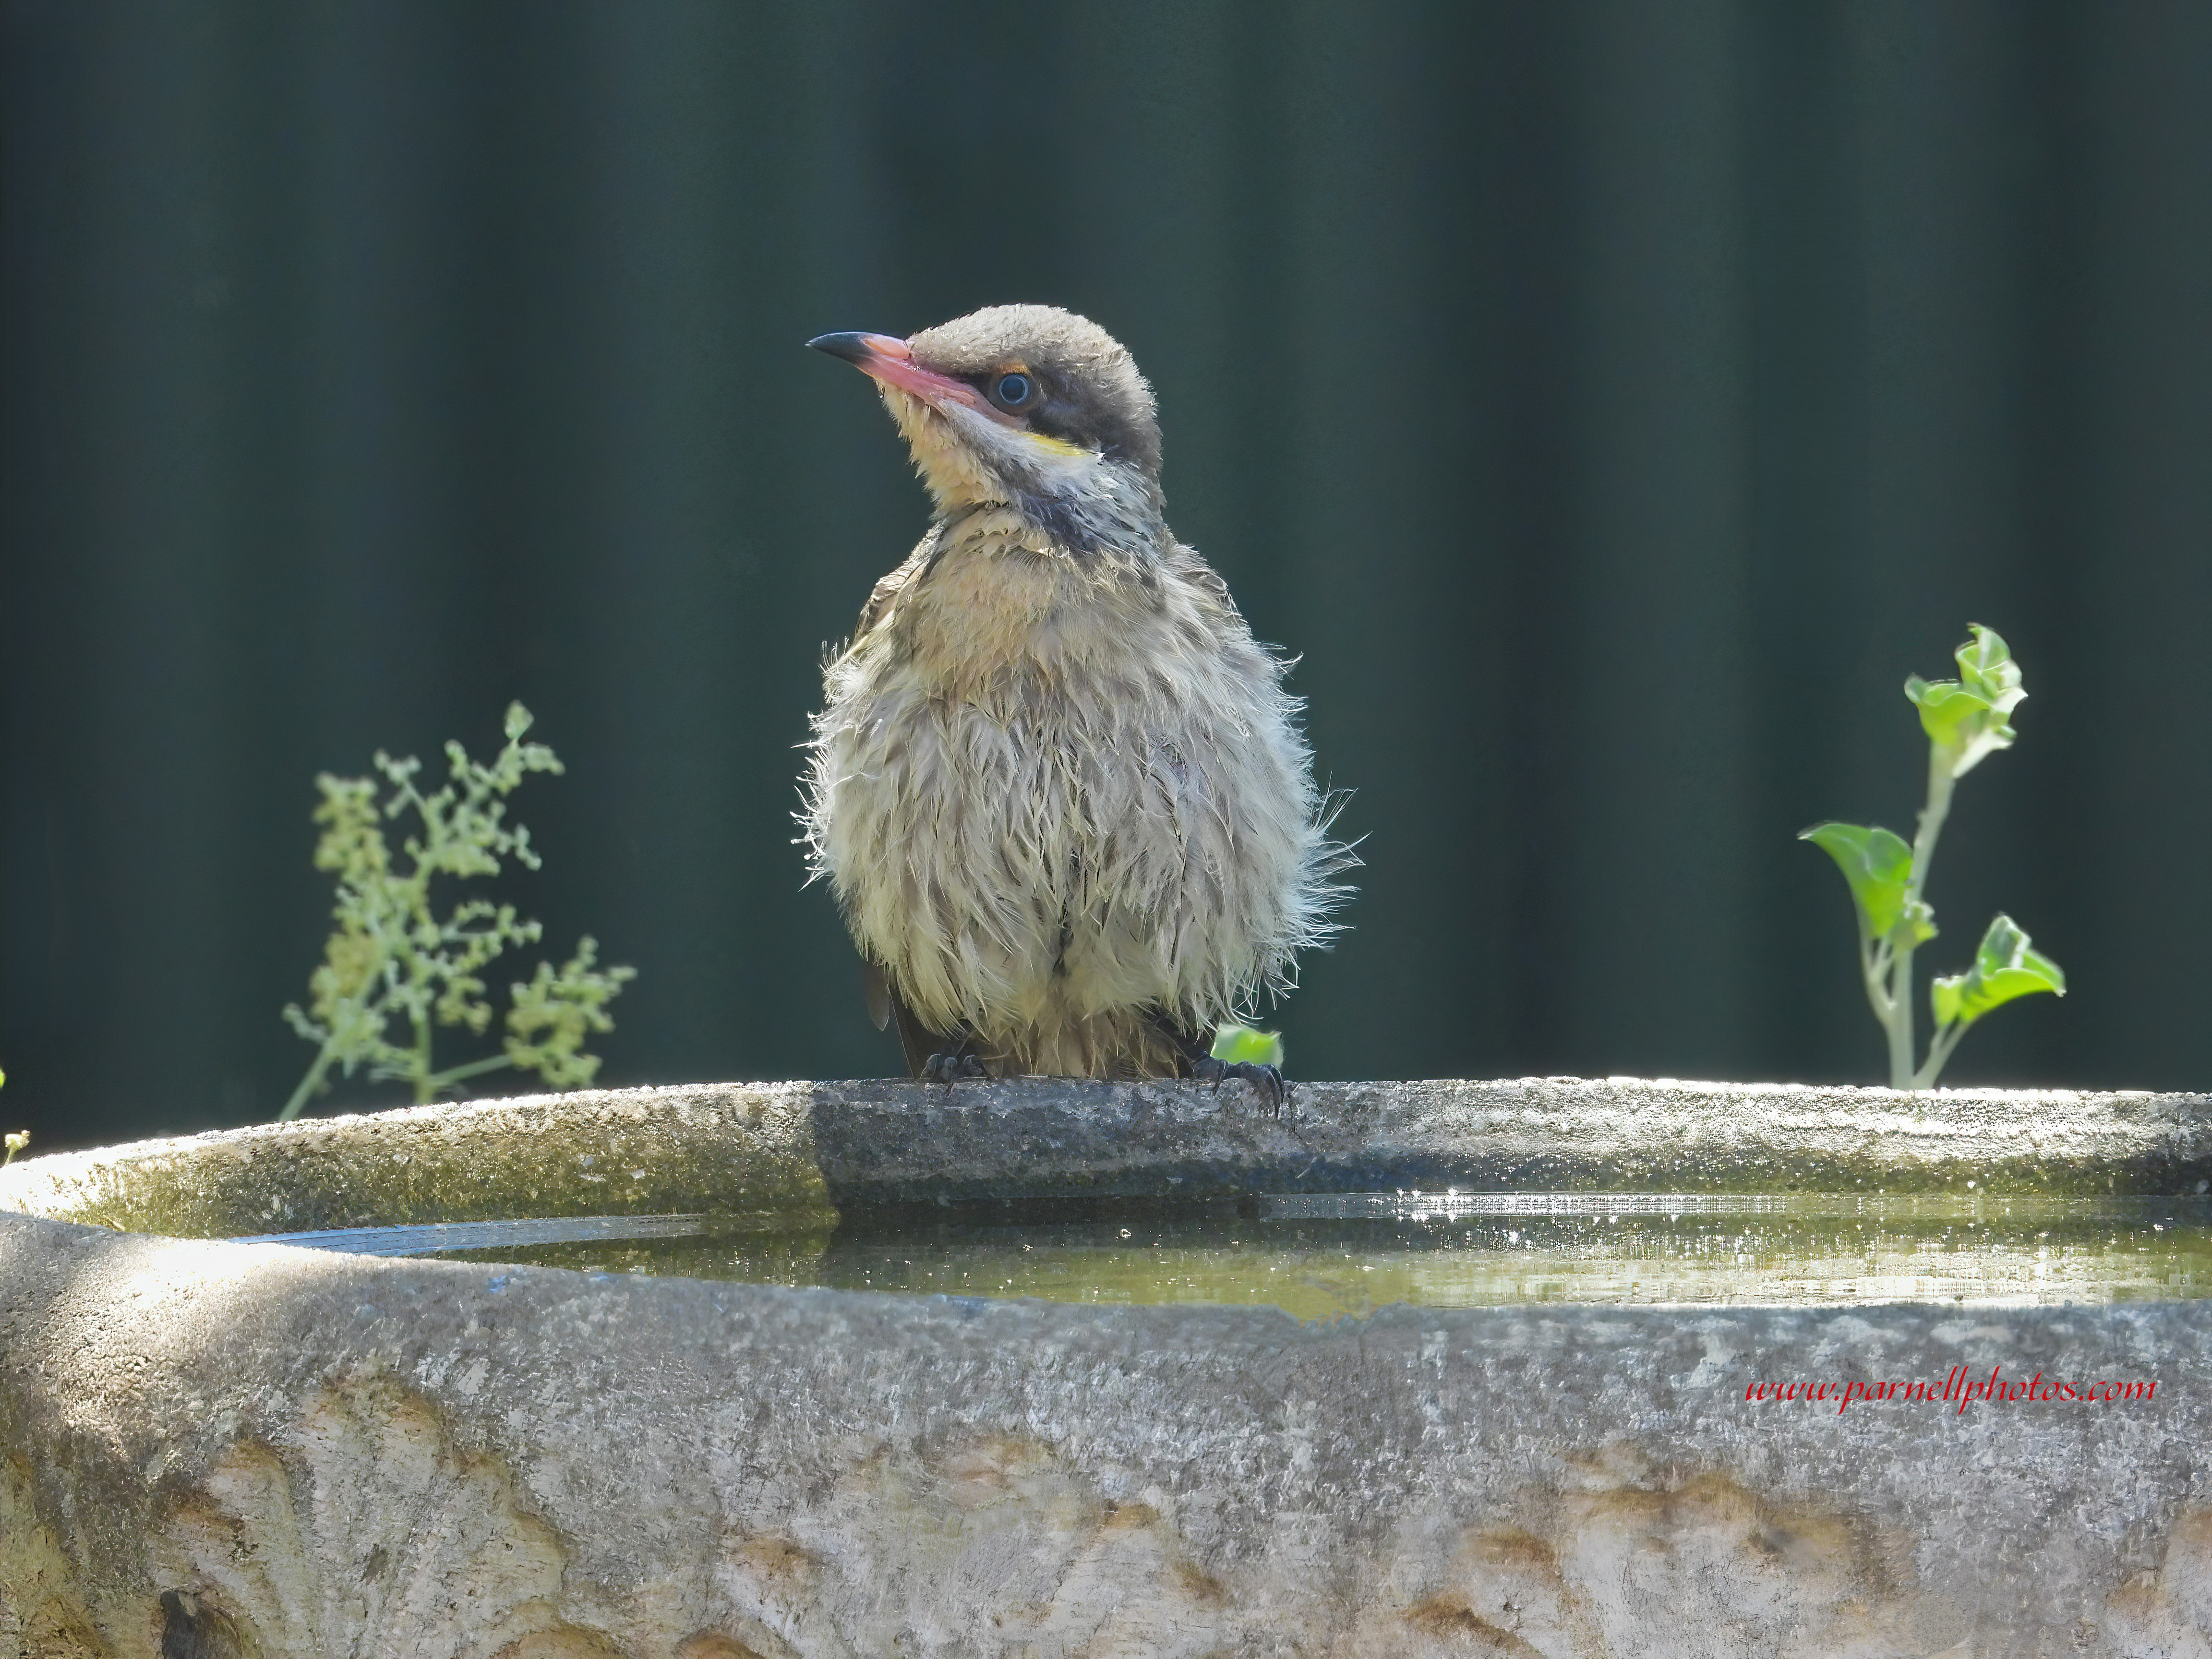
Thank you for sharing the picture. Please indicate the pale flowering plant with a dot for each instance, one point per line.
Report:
(394, 970)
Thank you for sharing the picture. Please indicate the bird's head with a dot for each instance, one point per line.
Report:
(1028, 407)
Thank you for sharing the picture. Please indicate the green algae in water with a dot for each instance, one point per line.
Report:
(1326, 1257)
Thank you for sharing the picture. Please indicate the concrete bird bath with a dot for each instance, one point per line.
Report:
(1047, 1367)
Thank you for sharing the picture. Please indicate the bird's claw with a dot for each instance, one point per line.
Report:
(1266, 1081)
(950, 1068)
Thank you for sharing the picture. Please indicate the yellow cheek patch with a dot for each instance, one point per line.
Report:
(1057, 445)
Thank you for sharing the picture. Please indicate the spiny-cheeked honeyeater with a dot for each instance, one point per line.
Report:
(1057, 788)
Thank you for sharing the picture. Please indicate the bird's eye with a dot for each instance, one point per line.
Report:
(1012, 391)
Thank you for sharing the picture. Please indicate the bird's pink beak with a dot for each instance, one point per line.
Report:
(889, 359)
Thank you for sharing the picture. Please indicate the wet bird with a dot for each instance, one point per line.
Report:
(1058, 789)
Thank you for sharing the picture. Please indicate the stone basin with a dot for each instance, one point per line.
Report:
(1530, 1409)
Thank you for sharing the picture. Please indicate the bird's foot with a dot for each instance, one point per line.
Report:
(1266, 1081)
(950, 1068)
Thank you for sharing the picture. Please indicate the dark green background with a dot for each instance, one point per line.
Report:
(1613, 403)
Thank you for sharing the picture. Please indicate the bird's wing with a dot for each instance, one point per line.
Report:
(1185, 562)
(1190, 1047)
(886, 591)
(880, 598)
(875, 985)
(886, 1006)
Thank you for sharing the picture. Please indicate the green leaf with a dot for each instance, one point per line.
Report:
(1879, 866)
(1235, 1043)
(2004, 967)
(1986, 665)
(1947, 710)
(1966, 719)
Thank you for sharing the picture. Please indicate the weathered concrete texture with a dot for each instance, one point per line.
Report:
(899, 1142)
(742, 1150)
(227, 1450)
(788, 1152)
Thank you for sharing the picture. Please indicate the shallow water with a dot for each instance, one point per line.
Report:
(1324, 1257)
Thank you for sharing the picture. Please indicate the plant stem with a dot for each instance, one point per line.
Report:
(1874, 970)
(1900, 1020)
(309, 1084)
(422, 1066)
(1938, 1051)
(1940, 780)
(430, 1086)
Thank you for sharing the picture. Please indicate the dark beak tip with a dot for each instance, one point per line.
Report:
(853, 347)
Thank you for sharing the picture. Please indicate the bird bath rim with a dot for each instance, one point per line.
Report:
(802, 1154)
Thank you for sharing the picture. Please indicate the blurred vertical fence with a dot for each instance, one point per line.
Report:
(1611, 402)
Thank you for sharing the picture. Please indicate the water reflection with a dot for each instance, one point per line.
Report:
(1323, 1257)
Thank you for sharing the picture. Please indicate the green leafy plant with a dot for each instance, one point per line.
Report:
(1234, 1044)
(1964, 719)
(393, 961)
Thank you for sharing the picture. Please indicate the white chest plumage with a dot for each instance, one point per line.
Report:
(1060, 807)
